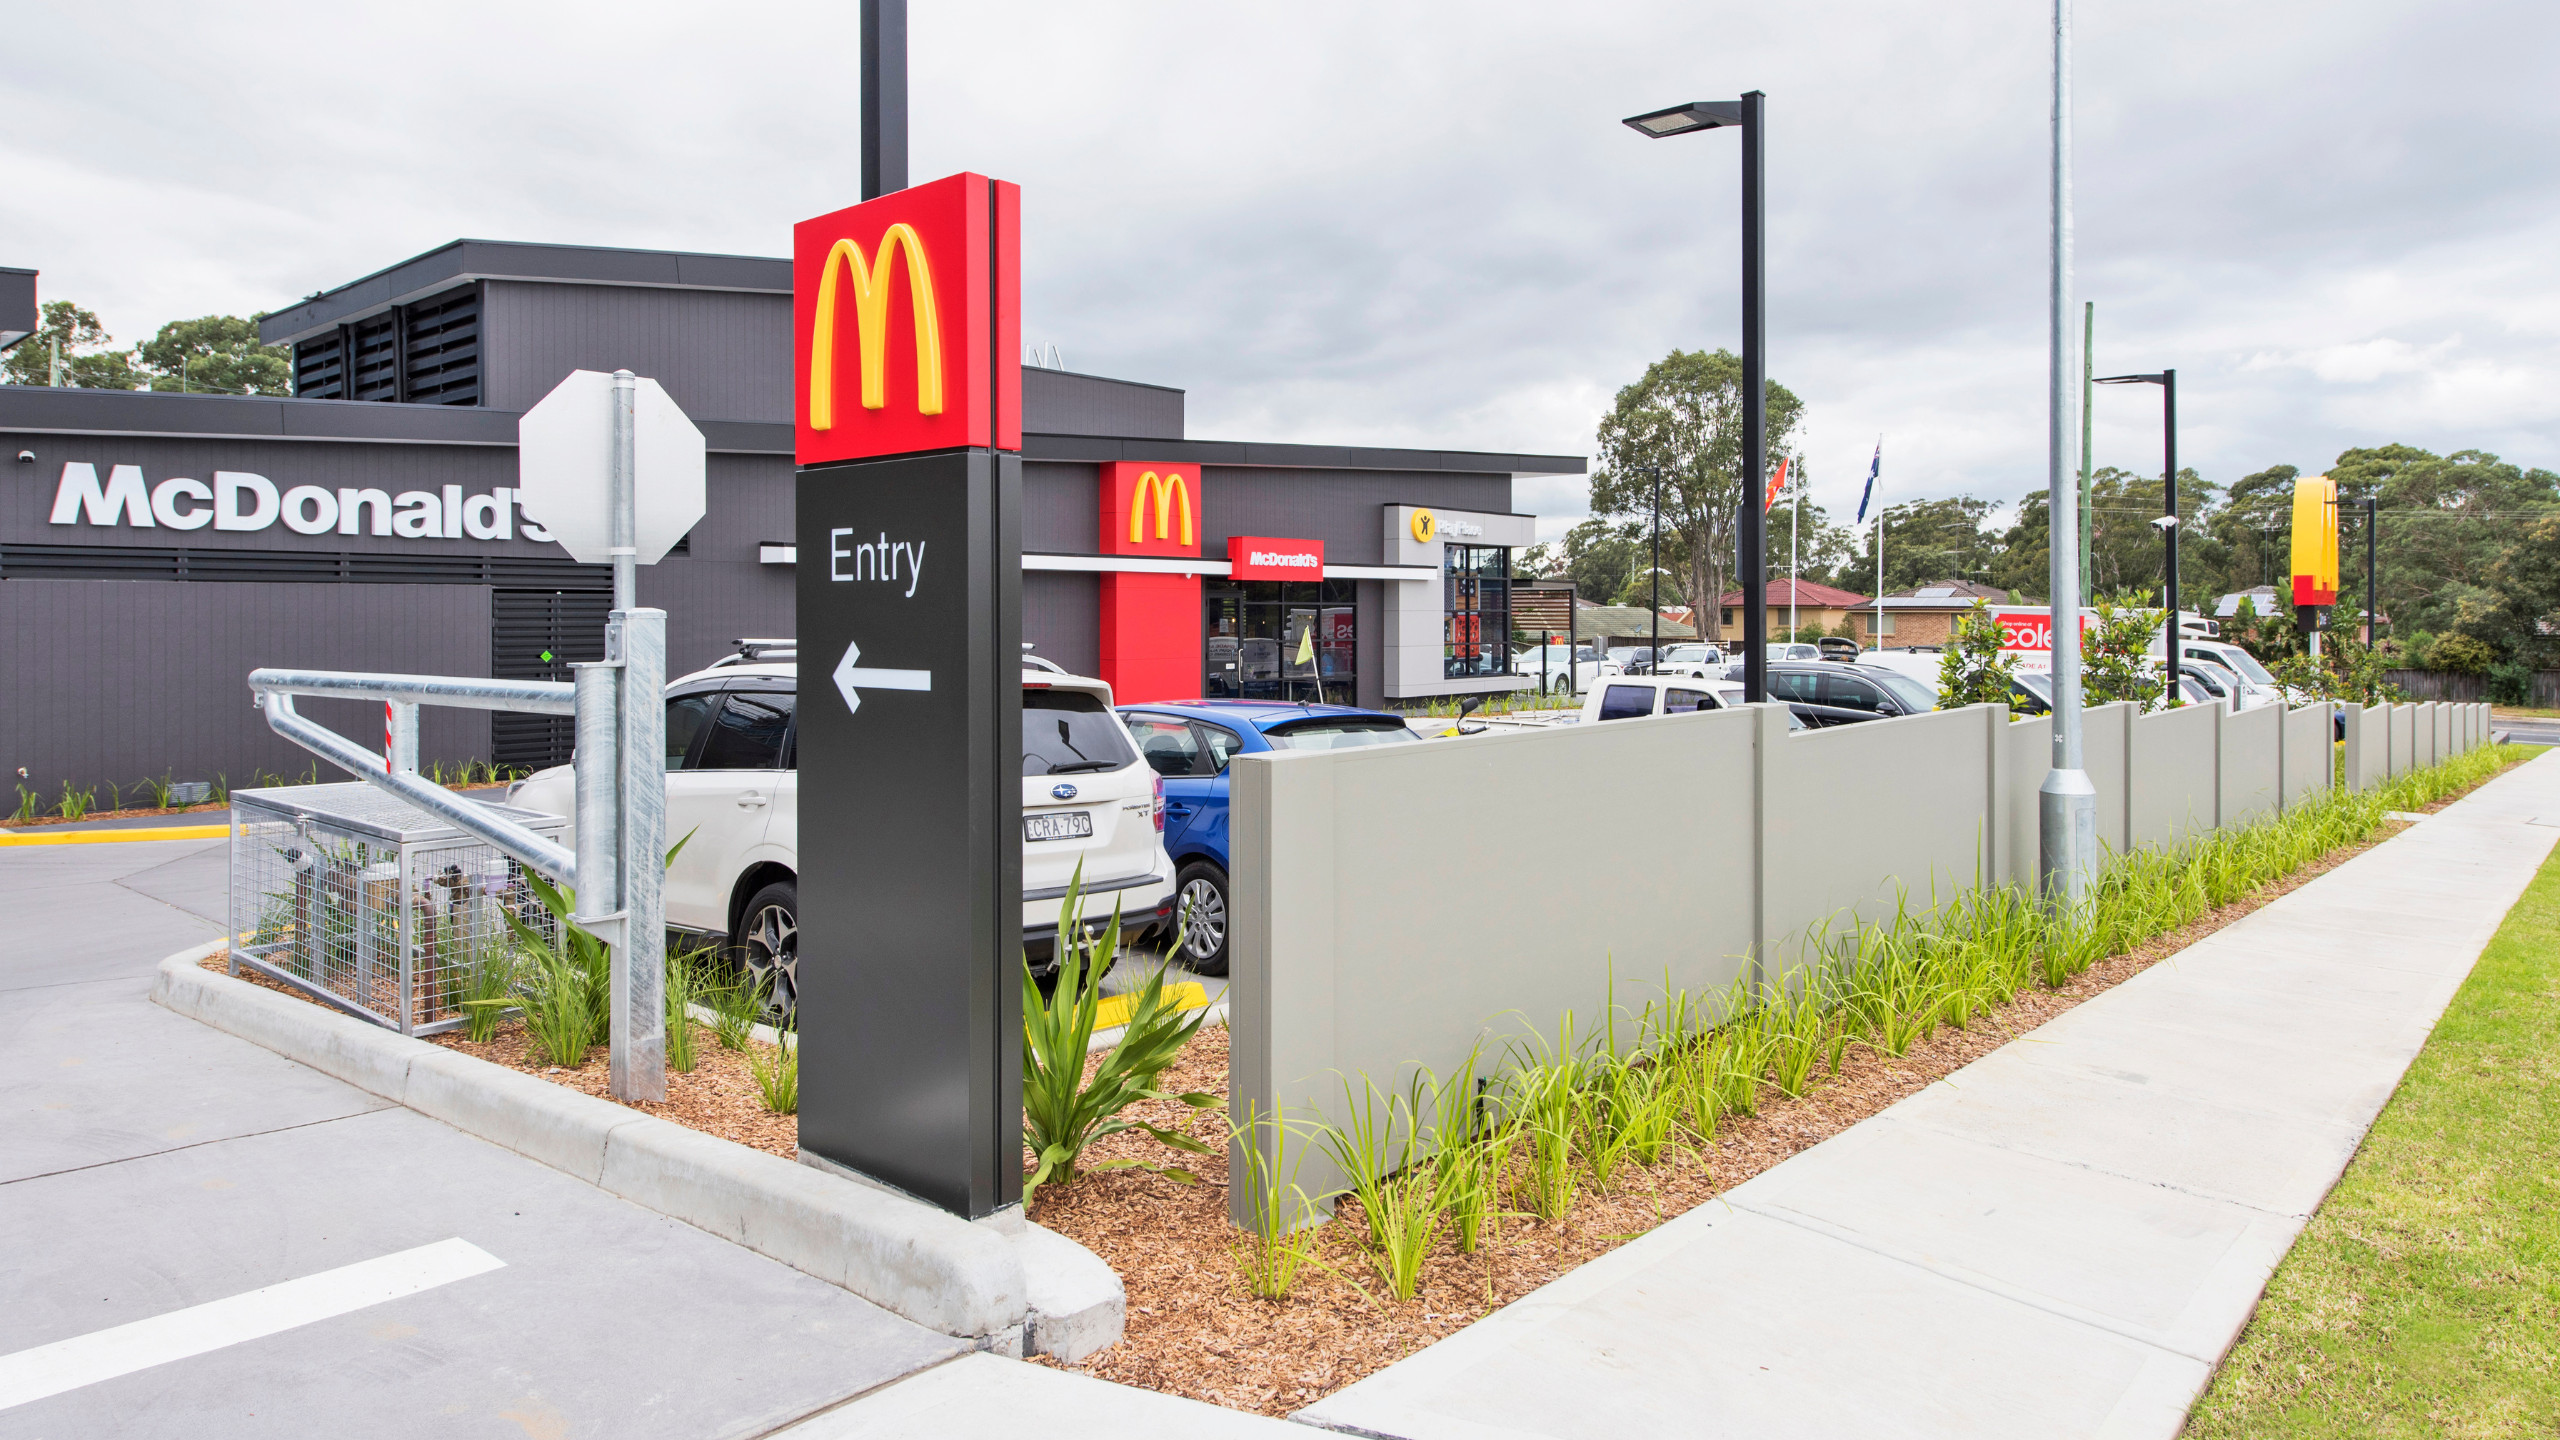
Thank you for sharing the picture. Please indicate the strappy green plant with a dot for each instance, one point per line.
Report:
(1063, 1113)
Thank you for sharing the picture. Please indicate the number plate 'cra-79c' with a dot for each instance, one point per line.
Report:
(1070, 825)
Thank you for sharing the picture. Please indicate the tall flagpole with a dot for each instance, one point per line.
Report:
(1795, 567)
(2066, 804)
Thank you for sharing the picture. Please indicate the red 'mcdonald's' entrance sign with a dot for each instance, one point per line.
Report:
(906, 315)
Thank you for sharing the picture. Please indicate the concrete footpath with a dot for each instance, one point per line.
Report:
(2062, 1239)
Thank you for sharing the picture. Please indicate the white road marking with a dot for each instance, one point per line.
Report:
(105, 1354)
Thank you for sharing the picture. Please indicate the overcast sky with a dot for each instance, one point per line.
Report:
(1422, 224)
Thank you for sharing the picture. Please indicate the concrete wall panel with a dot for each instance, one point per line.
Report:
(2176, 785)
(1391, 913)
(2252, 764)
(2310, 754)
(2404, 739)
(1866, 817)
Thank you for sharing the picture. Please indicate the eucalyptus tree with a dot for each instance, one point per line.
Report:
(1683, 419)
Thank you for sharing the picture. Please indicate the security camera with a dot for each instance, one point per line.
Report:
(26, 457)
(2165, 523)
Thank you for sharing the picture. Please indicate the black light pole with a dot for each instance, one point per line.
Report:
(1754, 560)
(2173, 641)
(1653, 662)
(884, 97)
(2372, 610)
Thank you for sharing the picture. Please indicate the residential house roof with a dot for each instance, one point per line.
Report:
(1808, 595)
(1941, 595)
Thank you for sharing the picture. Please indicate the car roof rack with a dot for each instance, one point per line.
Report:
(751, 651)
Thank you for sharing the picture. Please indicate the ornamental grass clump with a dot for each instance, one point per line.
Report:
(776, 1072)
(1063, 1113)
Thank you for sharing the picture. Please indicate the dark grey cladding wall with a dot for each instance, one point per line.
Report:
(1062, 618)
(1059, 402)
(719, 592)
(723, 355)
(110, 680)
(1061, 507)
(1346, 509)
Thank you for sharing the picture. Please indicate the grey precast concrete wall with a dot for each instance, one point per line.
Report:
(2251, 764)
(2308, 752)
(92, 667)
(2404, 739)
(1852, 828)
(2177, 788)
(1391, 915)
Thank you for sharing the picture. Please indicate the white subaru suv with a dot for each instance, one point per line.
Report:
(1087, 799)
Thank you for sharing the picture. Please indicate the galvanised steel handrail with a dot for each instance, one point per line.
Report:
(273, 691)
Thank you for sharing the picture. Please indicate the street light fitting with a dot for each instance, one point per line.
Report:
(1681, 119)
(2161, 379)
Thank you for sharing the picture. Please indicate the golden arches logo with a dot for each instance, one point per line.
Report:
(1425, 525)
(871, 326)
(1168, 489)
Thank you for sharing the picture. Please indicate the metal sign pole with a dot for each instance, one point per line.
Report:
(635, 649)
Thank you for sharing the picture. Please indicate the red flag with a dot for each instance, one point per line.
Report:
(1777, 484)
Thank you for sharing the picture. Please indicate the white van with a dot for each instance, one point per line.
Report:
(1087, 798)
(1629, 697)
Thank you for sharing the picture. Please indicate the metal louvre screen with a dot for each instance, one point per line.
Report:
(352, 895)
(133, 562)
(440, 349)
(377, 359)
(537, 635)
(320, 368)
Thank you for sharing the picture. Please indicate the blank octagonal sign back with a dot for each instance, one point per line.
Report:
(564, 457)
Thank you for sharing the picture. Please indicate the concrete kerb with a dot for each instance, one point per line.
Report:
(1013, 1288)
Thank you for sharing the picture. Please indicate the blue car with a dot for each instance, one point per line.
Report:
(1188, 743)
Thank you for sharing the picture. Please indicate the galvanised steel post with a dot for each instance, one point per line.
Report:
(884, 97)
(400, 735)
(638, 1063)
(2066, 804)
(599, 839)
(1755, 408)
(624, 517)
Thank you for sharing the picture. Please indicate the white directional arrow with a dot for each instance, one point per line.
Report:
(848, 675)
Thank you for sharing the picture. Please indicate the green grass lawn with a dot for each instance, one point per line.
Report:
(2424, 1298)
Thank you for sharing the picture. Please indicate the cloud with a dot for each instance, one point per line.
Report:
(1422, 224)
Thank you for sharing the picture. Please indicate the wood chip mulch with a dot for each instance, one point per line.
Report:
(1194, 1331)
(718, 1097)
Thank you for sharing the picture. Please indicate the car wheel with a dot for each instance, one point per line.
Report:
(1560, 685)
(1200, 907)
(768, 942)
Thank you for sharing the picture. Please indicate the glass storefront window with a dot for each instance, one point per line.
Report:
(1476, 638)
(1258, 630)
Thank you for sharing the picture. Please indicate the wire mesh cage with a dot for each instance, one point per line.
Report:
(368, 903)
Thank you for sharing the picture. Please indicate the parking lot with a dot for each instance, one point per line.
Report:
(160, 1168)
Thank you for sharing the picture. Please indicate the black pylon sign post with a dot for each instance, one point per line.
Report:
(910, 716)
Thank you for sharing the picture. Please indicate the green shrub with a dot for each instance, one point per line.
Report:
(1062, 1112)
(1974, 669)
(2462, 655)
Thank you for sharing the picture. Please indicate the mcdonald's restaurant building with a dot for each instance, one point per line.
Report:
(155, 547)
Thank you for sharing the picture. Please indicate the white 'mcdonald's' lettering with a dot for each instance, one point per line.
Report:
(238, 500)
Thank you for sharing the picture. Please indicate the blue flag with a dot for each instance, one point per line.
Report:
(1870, 492)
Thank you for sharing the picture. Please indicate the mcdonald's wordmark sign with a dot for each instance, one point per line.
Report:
(908, 508)
(906, 318)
